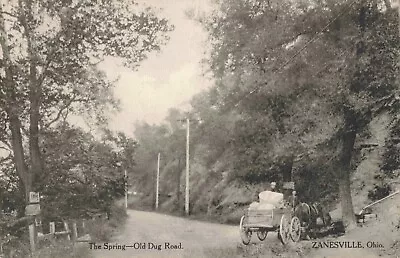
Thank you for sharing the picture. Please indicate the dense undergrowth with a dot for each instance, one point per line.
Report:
(100, 230)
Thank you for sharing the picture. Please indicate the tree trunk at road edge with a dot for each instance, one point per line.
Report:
(349, 220)
(12, 110)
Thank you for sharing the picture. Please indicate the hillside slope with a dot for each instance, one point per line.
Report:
(383, 234)
(215, 192)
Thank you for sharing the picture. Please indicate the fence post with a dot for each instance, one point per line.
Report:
(83, 227)
(74, 231)
(52, 228)
(52, 232)
(66, 228)
(32, 237)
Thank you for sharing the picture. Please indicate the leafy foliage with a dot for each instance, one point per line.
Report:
(68, 39)
(86, 169)
(296, 83)
(50, 56)
(391, 160)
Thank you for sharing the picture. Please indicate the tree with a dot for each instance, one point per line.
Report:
(305, 73)
(151, 141)
(175, 149)
(50, 51)
(83, 174)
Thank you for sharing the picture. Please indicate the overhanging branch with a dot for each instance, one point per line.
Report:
(10, 14)
(59, 114)
(52, 52)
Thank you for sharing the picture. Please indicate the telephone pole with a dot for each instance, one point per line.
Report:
(126, 189)
(187, 207)
(158, 180)
(187, 167)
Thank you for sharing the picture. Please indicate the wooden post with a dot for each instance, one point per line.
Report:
(74, 231)
(52, 232)
(52, 228)
(66, 228)
(32, 237)
(83, 227)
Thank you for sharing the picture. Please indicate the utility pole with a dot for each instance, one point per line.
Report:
(126, 189)
(158, 180)
(187, 167)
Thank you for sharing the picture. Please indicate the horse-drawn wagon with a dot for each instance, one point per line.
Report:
(271, 214)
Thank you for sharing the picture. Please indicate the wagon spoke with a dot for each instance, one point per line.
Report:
(245, 232)
(262, 234)
(295, 229)
(284, 229)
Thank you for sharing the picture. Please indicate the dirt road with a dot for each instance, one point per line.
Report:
(159, 235)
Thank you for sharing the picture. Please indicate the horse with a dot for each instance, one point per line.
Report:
(308, 215)
(323, 214)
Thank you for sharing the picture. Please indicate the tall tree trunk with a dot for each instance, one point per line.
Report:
(18, 151)
(13, 113)
(350, 132)
(348, 140)
(287, 174)
(34, 148)
(35, 92)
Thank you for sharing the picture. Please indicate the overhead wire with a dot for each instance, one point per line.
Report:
(306, 45)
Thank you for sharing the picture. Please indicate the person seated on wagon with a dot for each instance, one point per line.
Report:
(293, 200)
(273, 187)
(271, 200)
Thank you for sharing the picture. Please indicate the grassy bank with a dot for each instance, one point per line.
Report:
(267, 250)
(100, 230)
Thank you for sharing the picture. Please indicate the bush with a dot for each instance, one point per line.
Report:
(380, 191)
(118, 214)
(99, 230)
(17, 247)
(103, 229)
(63, 249)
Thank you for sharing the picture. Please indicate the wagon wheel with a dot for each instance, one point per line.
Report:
(245, 233)
(295, 229)
(284, 230)
(262, 234)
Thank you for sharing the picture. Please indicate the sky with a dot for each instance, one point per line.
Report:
(167, 79)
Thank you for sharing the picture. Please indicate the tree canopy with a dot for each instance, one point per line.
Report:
(296, 84)
(50, 56)
(306, 72)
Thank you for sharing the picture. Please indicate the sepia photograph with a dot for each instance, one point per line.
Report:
(199, 128)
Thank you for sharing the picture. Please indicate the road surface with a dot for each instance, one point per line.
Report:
(158, 235)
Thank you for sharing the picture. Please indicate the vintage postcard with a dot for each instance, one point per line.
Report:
(199, 128)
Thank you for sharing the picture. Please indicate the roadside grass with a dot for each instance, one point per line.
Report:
(63, 249)
(227, 252)
(270, 250)
(100, 230)
(222, 252)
